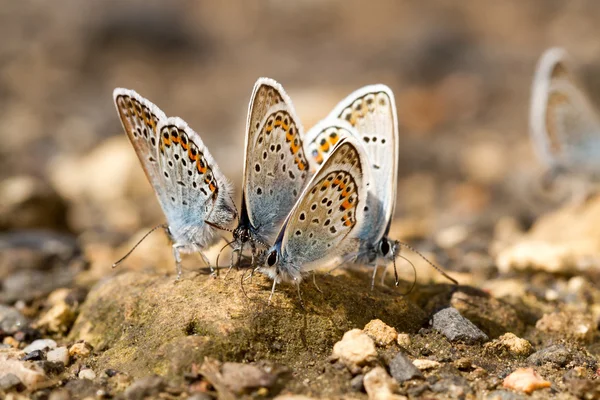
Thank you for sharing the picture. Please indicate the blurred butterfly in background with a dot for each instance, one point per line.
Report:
(326, 220)
(564, 126)
(369, 114)
(193, 193)
(275, 168)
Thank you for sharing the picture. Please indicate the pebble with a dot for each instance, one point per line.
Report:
(402, 369)
(34, 355)
(457, 328)
(148, 386)
(30, 374)
(454, 386)
(556, 354)
(463, 364)
(574, 325)
(380, 332)
(511, 343)
(355, 349)
(87, 374)
(80, 350)
(525, 380)
(403, 340)
(504, 395)
(60, 354)
(357, 383)
(11, 320)
(60, 394)
(425, 364)
(380, 386)
(10, 382)
(40, 344)
(58, 319)
(240, 378)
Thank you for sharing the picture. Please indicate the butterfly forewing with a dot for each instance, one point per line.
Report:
(328, 216)
(371, 111)
(564, 125)
(321, 139)
(140, 119)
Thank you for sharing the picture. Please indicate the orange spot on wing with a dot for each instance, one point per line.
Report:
(319, 158)
(212, 187)
(346, 204)
(324, 147)
(201, 169)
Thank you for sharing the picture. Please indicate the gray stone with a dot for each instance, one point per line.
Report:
(9, 382)
(11, 320)
(457, 328)
(149, 386)
(402, 369)
(556, 354)
(40, 344)
(357, 383)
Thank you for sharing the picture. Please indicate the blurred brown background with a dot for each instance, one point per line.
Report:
(461, 72)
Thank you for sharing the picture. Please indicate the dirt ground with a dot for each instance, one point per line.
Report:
(73, 200)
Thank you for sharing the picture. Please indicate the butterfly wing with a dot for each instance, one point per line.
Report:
(325, 221)
(371, 111)
(321, 139)
(140, 119)
(276, 168)
(564, 126)
(195, 190)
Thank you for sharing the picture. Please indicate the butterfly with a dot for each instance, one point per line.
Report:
(327, 219)
(369, 114)
(193, 193)
(564, 126)
(275, 166)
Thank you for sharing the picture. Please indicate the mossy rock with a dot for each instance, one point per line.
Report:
(145, 324)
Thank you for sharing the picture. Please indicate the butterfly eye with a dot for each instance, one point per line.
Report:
(384, 247)
(272, 259)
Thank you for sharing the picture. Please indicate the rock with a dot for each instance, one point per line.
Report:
(83, 389)
(60, 394)
(355, 349)
(525, 380)
(58, 319)
(60, 354)
(564, 241)
(36, 204)
(380, 386)
(357, 383)
(574, 325)
(34, 263)
(34, 355)
(87, 373)
(510, 343)
(457, 328)
(10, 382)
(30, 374)
(149, 386)
(454, 386)
(240, 378)
(424, 364)
(463, 364)
(504, 395)
(557, 354)
(11, 320)
(493, 316)
(583, 388)
(176, 324)
(380, 332)
(40, 344)
(402, 369)
(403, 340)
(80, 350)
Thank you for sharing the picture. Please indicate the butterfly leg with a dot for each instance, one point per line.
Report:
(374, 274)
(207, 262)
(315, 282)
(272, 291)
(299, 294)
(383, 274)
(231, 263)
(177, 257)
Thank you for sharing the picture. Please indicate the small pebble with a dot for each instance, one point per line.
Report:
(10, 382)
(357, 383)
(80, 349)
(511, 343)
(34, 355)
(60, 394)
(380, 386)
(403, 340)
(11, 320)
(58, 319)
(557, 354)
(60, 354)
(240, 378)
(425, 364)
(380, 332)
(87, 374)
(525, 380)
(40, 344)
(355, 349)
(402, 369)
(463, 364)
(457, 328)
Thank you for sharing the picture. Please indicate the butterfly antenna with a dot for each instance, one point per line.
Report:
(164, 226)
(438, 269)
(217, 226)
(414, 273)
